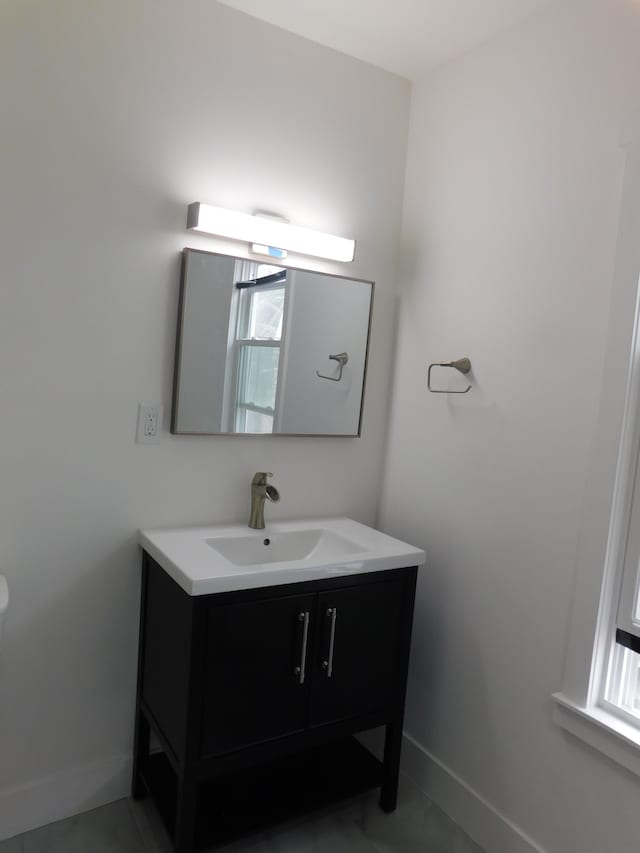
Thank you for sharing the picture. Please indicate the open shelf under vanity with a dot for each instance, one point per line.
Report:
(257, 797)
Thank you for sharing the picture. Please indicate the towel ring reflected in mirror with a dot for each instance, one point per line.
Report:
(342, 358)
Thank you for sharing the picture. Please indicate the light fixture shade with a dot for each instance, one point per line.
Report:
(270, 251)
(268, 232)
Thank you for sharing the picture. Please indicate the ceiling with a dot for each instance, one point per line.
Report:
(407, 37)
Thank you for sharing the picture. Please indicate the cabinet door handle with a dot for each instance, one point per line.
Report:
(328, 664)
(300, 670)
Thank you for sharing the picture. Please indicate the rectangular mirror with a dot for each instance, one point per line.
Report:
(264, 349)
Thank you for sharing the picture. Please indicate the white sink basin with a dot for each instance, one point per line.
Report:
(205, 560)
(317, 544)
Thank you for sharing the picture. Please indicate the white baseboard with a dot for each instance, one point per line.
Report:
(62, 795)
(74, 791)
(482, 822)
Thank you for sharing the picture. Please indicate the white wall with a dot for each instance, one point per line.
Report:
(512, 197)
(324, 316)
(116, 115)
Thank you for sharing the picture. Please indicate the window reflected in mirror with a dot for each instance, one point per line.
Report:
(258, 345)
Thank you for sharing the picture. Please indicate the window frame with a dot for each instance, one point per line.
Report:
(622, 568)
(580, 706)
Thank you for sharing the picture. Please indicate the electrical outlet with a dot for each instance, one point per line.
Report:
(149, 424)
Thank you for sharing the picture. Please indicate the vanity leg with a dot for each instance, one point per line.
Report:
(184, 835)
(391, 766)
(140, 753)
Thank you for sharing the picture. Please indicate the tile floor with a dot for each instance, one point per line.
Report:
(358, 826)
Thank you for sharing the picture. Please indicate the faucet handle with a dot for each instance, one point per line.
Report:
(260, 478)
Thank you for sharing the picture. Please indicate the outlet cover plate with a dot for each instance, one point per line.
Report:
(149, 425)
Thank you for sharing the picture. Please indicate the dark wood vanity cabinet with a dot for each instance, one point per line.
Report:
(254, 697)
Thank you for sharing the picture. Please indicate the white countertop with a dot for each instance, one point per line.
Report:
(189, 555)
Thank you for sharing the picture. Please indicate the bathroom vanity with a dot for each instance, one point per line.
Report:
(261, 654)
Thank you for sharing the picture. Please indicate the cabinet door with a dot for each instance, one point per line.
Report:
(358, 661)
(257, 676)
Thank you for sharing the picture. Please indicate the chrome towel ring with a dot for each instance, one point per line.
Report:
(462, 365)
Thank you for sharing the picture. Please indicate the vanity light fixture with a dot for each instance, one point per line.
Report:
(268, 234)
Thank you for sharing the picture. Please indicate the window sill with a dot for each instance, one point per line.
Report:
(602, 730)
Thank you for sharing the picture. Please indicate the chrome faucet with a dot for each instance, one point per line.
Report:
(259, 491)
